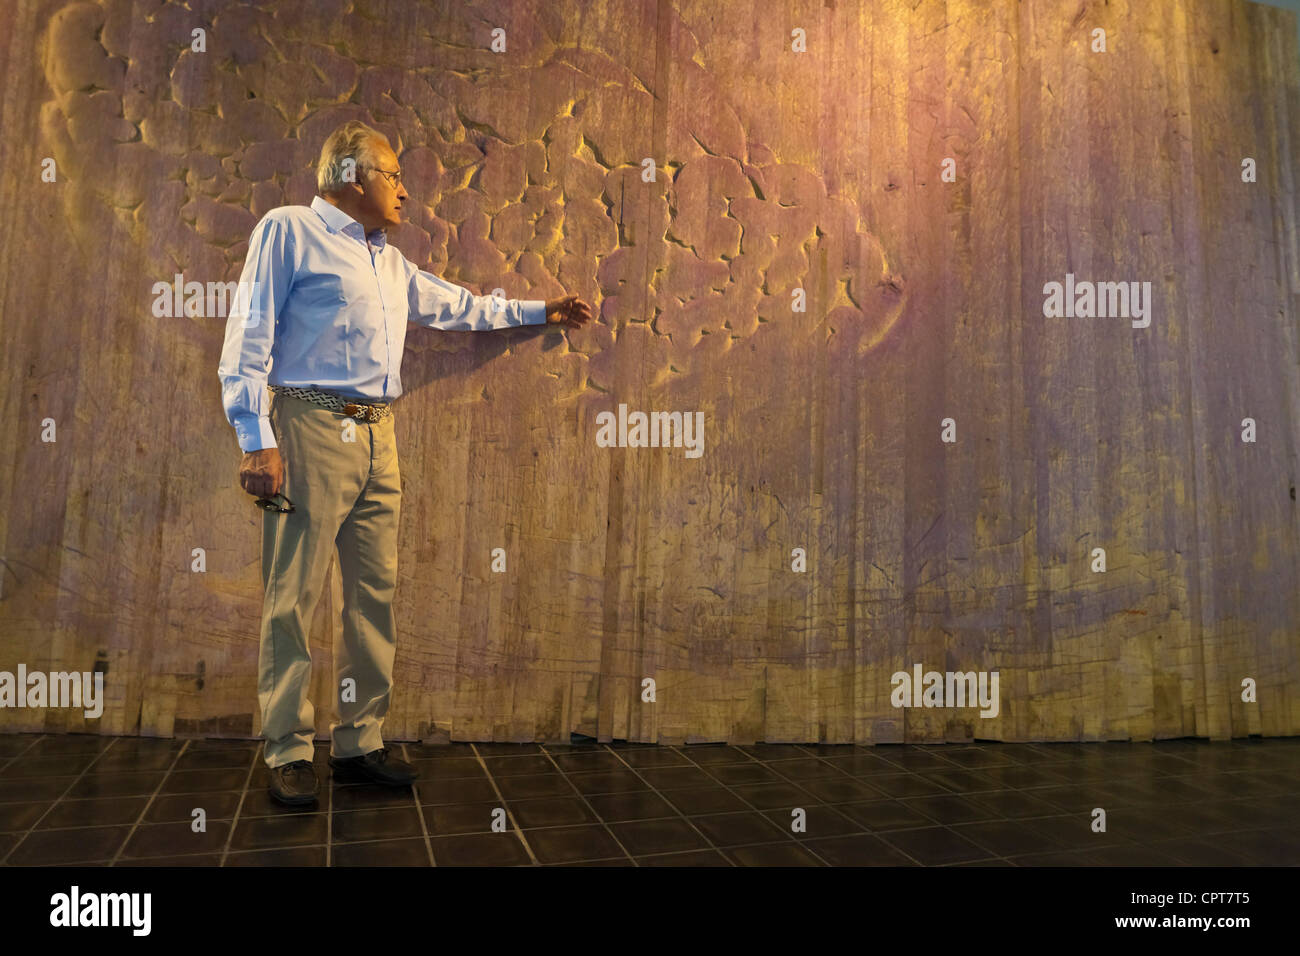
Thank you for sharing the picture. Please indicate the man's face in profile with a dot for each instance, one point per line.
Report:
(381, 201)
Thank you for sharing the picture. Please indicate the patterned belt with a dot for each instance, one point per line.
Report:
(317, 396)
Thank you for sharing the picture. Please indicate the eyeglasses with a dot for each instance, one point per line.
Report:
(396, 175)
(267, 504)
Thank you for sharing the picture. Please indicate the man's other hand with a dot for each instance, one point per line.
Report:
(569, 311)
(262, 472)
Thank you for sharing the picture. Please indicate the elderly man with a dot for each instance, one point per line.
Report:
(324, 328)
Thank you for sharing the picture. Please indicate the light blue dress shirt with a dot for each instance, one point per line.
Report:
(328, 309)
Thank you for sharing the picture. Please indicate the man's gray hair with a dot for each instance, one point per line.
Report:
(353, 140)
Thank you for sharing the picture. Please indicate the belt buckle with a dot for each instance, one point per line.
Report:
(351, 409)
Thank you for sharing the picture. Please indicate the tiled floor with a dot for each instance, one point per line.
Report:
(129, 802)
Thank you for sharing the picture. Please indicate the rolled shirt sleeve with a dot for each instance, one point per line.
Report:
(250, 333)
(438, 304)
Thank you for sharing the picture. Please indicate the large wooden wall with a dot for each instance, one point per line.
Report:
(777, 170)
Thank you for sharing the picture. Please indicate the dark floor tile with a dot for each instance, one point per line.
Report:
(1148, 825)
(1022, 776)
(265, 833)
(882, 815)
(858, 850)
(133, 761)
(1007, 838)
(588, 762)
(21, 816)
(1199, 851)
(953, 808)
(204, 781)
(482, 849)
(606, 781)
(905, 785)
(916, 760)
(735, 829)
(679, 778)
(932, 846)
(772, 796)
(43, 847)
(88, 744)
(33, 789)
(567, 844)
(772, 854)
(227, 758)
(56, 765)
(359, 826)
(1014, 804)
(991, 861)
(644, 837)
(1067, 859)
(7, 842)
(175, 839)
(653, 759)
(1264, 847)
(440, 751)
(840, 790)
(819, 821)
(507, 750)
(709, 755)
(215, 743)
(674, 802)
(740, 774)
(1129, 856)
(1074, 831)
(178, 807)
(195, 860)
(369, 796)
(864, 765)
(979, 758)
(696, 858)
(1077, 799)
(409, 852)
(543, 812)
(294, 856)
(102, 785)
(632, 805)
(449, 768)
(510, 766)
(459, 818)
(94, 813)
(436, 792)
(962, 781)
(808, 769)
(1216, 816)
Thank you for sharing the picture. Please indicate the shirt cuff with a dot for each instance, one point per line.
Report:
(254, 433)
(534, 311)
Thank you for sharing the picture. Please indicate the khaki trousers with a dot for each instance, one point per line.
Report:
(346, 497)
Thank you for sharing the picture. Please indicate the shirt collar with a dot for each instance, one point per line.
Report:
(336, 220)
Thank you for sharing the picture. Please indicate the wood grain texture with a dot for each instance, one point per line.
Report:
(777, 170)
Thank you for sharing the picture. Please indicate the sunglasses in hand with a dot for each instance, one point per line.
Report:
(269, 504)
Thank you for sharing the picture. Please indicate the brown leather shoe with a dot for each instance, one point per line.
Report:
(377, 766)
(294, 783)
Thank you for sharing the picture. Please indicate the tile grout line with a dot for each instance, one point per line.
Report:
(13, 849)
(505, 805)
(1220, 774)
(234, 820)
(419, 811)
(661, 796)
(149, 803)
